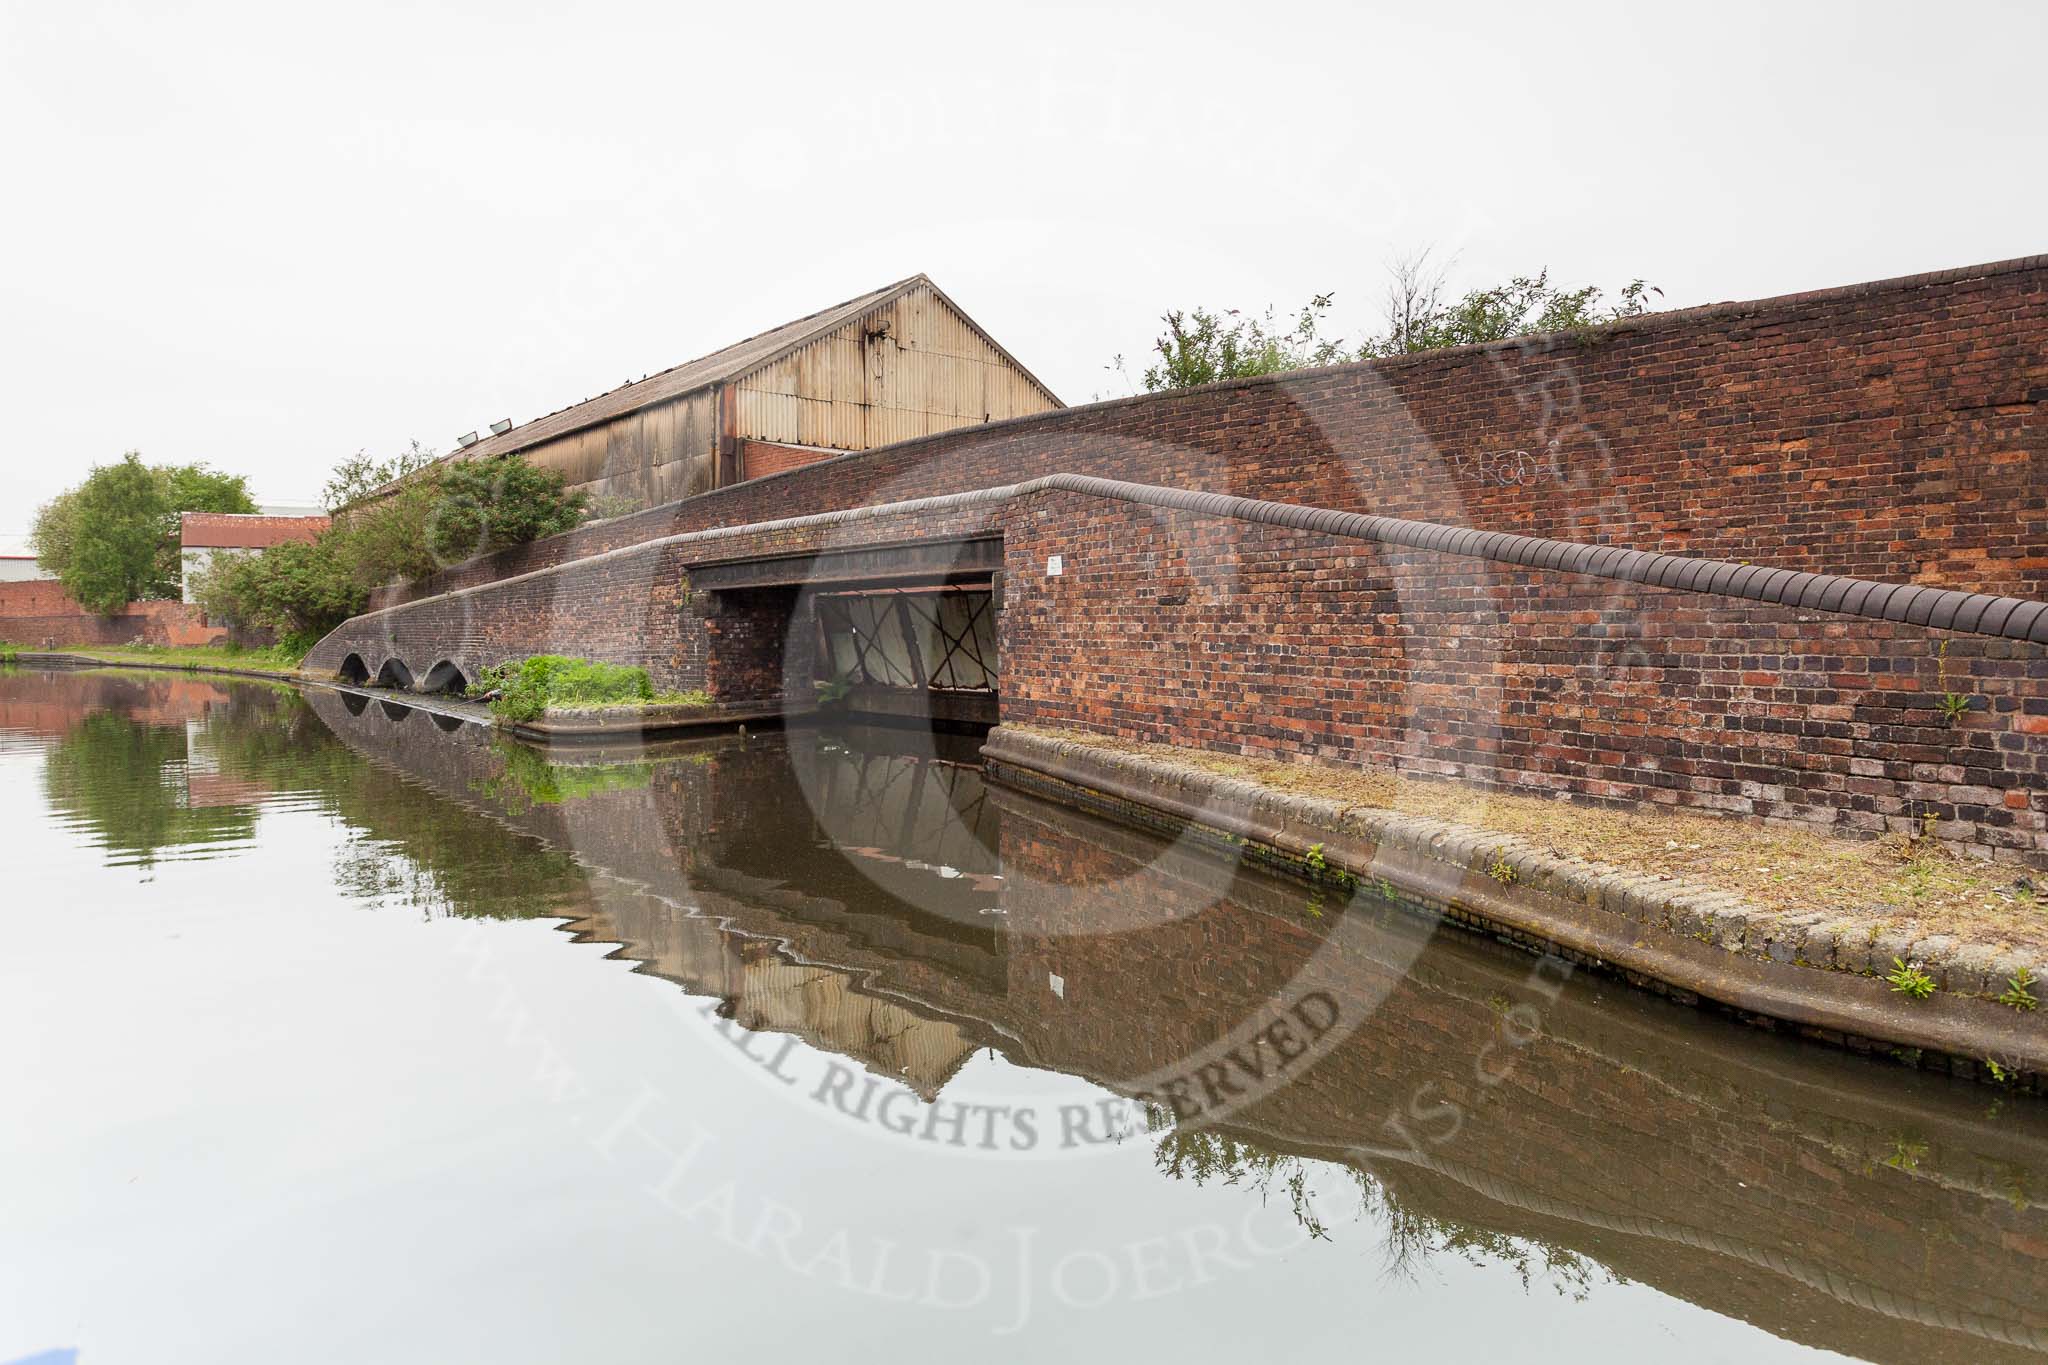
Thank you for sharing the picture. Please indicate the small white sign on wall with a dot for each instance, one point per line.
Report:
(1055, 566)
(1058, 984)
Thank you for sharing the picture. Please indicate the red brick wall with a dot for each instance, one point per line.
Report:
(759, 459)
(39, 612)
(1218, 634)
(1891, 430)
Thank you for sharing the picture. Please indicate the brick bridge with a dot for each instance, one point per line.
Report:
(1785, 559)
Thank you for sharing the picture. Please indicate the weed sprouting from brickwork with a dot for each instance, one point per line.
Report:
(1502, 870)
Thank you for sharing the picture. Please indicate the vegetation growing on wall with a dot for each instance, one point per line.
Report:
(433, 516)
(1200, 346)
(497, 501)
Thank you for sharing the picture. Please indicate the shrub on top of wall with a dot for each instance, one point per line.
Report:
(554, 681)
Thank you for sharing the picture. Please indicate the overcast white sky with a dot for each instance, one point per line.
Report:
(266, 236)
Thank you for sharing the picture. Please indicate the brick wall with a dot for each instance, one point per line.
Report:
(1891, 430)
(1218, 634)
(758, 459)
(40, 613)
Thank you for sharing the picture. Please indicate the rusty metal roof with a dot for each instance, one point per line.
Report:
(243, 531)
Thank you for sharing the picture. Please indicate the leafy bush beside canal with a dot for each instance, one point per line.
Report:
(554, 681)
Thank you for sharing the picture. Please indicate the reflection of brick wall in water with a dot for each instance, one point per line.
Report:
(1633, 1130)
(50, 703)
(1705, 1161)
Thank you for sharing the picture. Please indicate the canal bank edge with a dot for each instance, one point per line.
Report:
(1819, 974)
(597, 725)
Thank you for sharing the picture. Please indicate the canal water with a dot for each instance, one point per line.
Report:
(338, 1030)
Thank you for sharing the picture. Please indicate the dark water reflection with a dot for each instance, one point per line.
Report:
(867, 921)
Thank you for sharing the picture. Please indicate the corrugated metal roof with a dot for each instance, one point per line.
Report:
(729, 363)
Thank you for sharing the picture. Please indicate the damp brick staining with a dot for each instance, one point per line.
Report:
(1730, 559)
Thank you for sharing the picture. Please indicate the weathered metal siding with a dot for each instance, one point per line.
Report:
(911, 366)
(655, 455)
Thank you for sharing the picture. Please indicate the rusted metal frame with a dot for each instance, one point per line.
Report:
(961, 645)
(919, 675)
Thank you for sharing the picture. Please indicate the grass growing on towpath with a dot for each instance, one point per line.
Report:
(553, 684)
(282, 659)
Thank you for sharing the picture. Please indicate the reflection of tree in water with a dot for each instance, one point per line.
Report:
(1411, 1238)
(406, 845)
(127, 782)
(529, 778)
(409, 846)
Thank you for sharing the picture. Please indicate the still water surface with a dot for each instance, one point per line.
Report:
(341, 1031)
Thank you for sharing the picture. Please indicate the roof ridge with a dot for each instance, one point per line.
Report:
(801, 333)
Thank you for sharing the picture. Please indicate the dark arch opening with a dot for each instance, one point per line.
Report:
(395, 710)
(445, 677)
(394, 673)
(356, 702)
(447, 724)
(354, 670)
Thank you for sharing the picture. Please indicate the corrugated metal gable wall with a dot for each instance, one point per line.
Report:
(910, 367)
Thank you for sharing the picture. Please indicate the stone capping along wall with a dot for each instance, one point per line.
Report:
(1818, 972)
(1967, 613)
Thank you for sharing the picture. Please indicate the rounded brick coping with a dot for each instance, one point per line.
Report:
(1950, 609)
(1811, 970)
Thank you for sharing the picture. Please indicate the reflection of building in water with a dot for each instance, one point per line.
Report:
(1854, 1206)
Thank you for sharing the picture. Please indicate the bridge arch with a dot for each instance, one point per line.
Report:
(394, 673)
(354, 670)
(445, 676)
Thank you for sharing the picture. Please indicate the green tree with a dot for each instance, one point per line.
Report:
(114, 538)
(55, 531)
(490, 503)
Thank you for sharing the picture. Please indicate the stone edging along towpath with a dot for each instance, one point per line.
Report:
(1819, 974)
